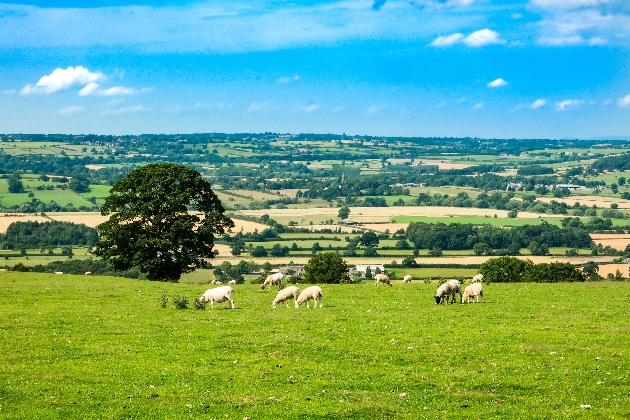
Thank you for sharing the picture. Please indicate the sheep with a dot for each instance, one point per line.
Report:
(451, 287)
(58, 272)
(231, 282)
(313, 292)
(218, 294)
(291, 292)
(474, 290)
(407, 279)
(477, 279)
(215, 282)
(381, 278)
(272, 279)
(88, 273)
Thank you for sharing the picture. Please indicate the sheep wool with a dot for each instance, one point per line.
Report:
(313, 292)
(474, 290)
(291, 292)
(218, 294)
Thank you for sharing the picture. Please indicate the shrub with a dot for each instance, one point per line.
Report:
(199, 304)
(21, 267)
(180, 302)
(163, 300)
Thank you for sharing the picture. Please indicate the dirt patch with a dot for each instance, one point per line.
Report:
(246, 226)
(88, 219)
(382, 227)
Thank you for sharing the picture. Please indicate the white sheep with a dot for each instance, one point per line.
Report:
(474, 290)
(450, 288)
(58, 272)
(88, 273)
(477, 279)
(291, 292)
(381, 278)
(218, 294)
(313, 292)
(272, 279)
(215, 282)
(231, 282)
(407, 279)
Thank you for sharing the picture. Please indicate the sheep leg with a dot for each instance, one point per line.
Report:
(231, 303)
(212, 304)
(320, 302)
(307, 304)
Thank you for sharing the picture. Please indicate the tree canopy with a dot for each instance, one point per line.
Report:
(150, 226)
(326, 267)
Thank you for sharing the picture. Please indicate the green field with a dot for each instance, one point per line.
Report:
(101, 347)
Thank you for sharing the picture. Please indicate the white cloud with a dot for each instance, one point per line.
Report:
(538, 103)
(311, 108)
(567, 4)
(70, 110)
(587, 26)
(289, 79)
(258, 107)
(478, 105)
(483, 37)
(445, 41)
(497, 83)
(625, 101)
(561, 106)
(126, 110)
(95, 89)
(61, 79)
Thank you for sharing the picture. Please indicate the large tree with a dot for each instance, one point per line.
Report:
(326, 267)
(151, 226)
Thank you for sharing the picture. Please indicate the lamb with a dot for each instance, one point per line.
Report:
(381, 278)
(272, 279)
(451, 287)
(407, 279)
(474, 290)
(477, 279)
(232, 282)
(291, 292)
(218, 294)
(313, 292)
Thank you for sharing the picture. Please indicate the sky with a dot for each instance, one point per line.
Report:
(446, 68)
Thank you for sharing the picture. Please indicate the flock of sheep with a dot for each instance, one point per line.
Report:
(448, 289)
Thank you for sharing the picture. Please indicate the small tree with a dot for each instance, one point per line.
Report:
(369, 239)
(15, 185)
(343, 213)
(259, 252)
(326, 267)
(370, 251)
(504, 270)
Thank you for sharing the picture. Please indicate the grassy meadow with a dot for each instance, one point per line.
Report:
(103, 347)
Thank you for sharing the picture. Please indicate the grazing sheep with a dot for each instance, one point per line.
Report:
(58, 272)
(477, 279)
(215, 282)
(272, 279)
(88, 273)
(232, 282)
(381, 278)
(291, 292)
(407, 279)
(313, 292)
(450, 288)
(218, 294)
(474, 290)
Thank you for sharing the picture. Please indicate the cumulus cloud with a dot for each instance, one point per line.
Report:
(625, 101)
(561, 106)
(70, 110)
(538, 103)
(61, 79)
(497, 83)
(482, 38)
(445, 41)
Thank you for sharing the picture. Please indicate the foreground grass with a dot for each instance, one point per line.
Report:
(102, 347)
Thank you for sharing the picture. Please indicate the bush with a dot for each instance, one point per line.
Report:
(180, 302)
(21, 268)
(163, 300)
(199, 304)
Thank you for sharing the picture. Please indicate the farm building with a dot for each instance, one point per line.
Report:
(362, 268)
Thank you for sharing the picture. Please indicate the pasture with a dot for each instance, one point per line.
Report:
(102, 347)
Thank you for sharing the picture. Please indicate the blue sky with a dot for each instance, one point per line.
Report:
(509, 69)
